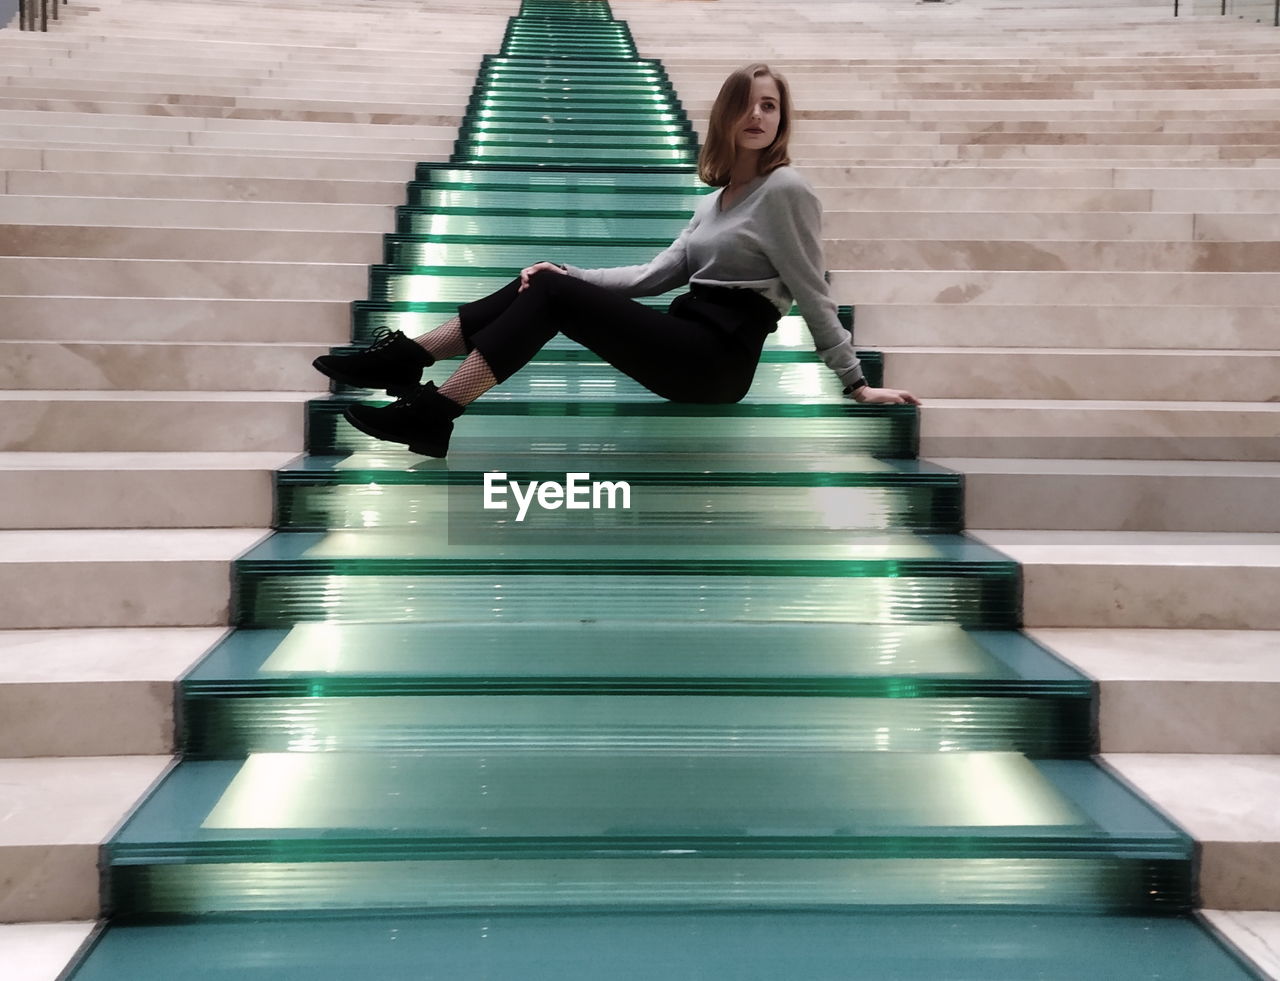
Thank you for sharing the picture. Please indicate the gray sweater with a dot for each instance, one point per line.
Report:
(769, 241)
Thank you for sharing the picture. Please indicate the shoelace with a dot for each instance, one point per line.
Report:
(383, 337)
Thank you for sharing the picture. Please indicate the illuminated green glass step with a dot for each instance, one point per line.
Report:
(929, 687)
(863, 945)
(541, 228)
(649, 427)
(505, 80)
(520, 829)
(595, 129)
(579, 141)
(384, 488)
(790, 342)
(605, 203)
(639, 115)
(492, 177)
(782, 383)
(535, 68)
(556, 564)
(573, 101)
(453, 242)
(554, 152)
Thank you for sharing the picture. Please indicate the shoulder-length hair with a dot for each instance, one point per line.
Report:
(715, 162)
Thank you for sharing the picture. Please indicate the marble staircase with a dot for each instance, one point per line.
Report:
(1059, 224)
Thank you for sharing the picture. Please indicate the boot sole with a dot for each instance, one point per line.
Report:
(376, 433)
(399, 391)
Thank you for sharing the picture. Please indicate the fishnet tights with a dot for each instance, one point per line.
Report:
(470, 380)
(444, 341)
(473, 377)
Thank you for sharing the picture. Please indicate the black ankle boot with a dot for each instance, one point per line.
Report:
(392, 363)
(423, 420)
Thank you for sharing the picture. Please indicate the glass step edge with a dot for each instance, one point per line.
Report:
(906, 414)
(635, 946)
(380, 685)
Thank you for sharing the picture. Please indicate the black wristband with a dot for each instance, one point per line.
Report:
(850, 389)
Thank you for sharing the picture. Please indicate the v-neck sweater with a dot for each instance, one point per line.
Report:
(770, 241)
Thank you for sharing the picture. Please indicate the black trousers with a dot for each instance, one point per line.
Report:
(705, 348)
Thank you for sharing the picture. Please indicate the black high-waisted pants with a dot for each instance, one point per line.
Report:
(705, 348)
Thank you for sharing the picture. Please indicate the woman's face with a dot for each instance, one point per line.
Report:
(759, 125)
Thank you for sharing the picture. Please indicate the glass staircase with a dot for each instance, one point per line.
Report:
(776, 720)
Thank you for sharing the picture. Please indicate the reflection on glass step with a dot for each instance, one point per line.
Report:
(446, 175)
(565, 123)
(746, 946)
(391, 465)
(594, 239)
(646, 427)
(461, 241)
(987, 599)
(556, 151)
(900, 661)
(987, 804)
(589, 202)
(639, 145)
(659, 504)
(308, 831)
(796, 383)
(372, 719)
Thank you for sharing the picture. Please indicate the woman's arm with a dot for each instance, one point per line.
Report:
(665, 271)
(793, 244)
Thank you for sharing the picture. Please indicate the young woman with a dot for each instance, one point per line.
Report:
(750, 249)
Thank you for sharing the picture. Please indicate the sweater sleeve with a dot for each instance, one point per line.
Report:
(793, 244)
(665, 271)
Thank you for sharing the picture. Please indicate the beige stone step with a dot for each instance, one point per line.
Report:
(196, 161)
(226, 244)
(1083, 326)
(77, 318)
(144, 185)
(1179, 691)
(1067, 176)
(95, 692)
(1255, 933)
(1116, 430)
(1139, 579)
(306, 129)
(961, 287)
(1119, 495)
(426, 147)
(862, 252)
(161, 366)
(170, 577)
(97, 421)
(46, 276)
(138, 490)
(230, 106)
(59, 811)
(1229, 805)
(42, 951)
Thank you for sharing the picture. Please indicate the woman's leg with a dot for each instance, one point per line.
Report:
(678, 359)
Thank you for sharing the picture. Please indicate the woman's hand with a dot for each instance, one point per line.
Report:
(882, 396)
(537, 267)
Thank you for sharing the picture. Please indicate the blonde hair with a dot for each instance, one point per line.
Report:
(715, 162)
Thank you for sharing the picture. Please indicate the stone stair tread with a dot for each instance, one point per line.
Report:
(85, 656)
(1255, 933)
(142, 462)
(86, 395)
(1137, 548)
(41, 951)
(1217, 798)
(72, 800)
(121, 546)
(1163, 468)
(1236, 656)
